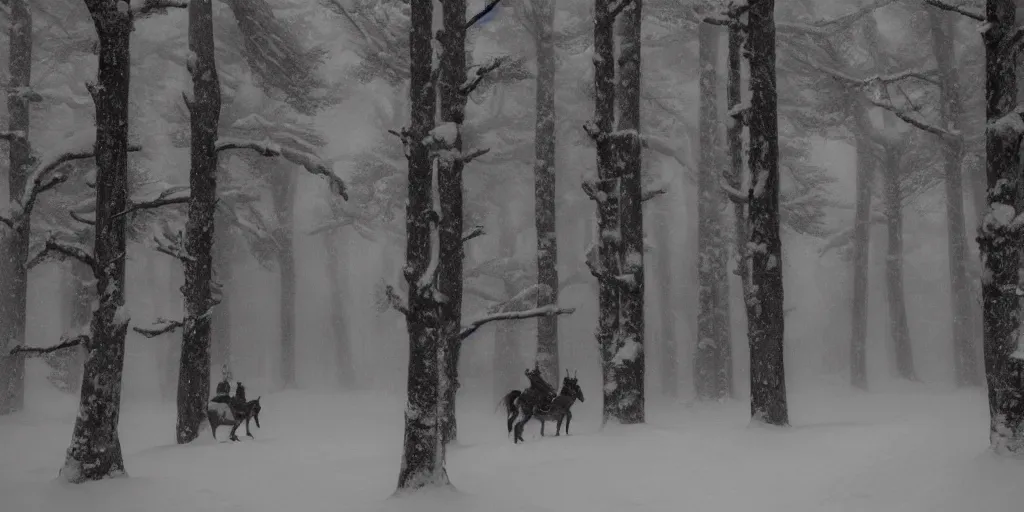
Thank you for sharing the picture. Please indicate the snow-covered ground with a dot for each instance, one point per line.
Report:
(904, 450)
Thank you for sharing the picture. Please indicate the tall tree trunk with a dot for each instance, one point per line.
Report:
(282, 191)
(544, 188)
(734, 178)
(965, 360)
(15, 240)
(95, 451)
(609, 235)
(344, 367)
(998, 241)
(449, 186)
(223, 273)
(663, 265)
(709, 258)
(423, 452)
(194, 371)
(899, 330)
(861, 241)
(768, 402)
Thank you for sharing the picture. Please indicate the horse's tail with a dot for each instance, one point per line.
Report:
(509, 401)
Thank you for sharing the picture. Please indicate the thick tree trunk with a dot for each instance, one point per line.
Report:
(449, 185)
(95, 451)
(223, 273)
(767, 374)
(14, 243)
(861, 241)
(709, 258)
(282, 191)
(609, 235)
(194, 371)
(544, 188)
(423, 449)
(630, 358)
(899, 330)
(344, 367)
(999, 244)
(965, 360)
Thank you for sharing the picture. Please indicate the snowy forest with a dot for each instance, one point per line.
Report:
(397, 242)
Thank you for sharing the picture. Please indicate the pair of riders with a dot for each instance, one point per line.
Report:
(540, 392)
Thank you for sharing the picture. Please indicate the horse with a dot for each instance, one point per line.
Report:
(558, 410)
(220, 413)
(538, 393)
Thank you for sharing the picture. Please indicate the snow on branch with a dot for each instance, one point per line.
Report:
(651, 193)
(172, 244)
(171, 196)
(395, 299)
(473, 233)
(312, 163)
(160, 327)
(55, 249)
(551, 310)
(150, 7)
(478, 73)
(491, 4)
(917, 123)
(734, 195)
(955, 8)
(1009, 126)
(66, 342)
(615, 10)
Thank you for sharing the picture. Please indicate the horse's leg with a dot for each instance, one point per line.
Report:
(247, 427)
(568, 418)
(234, 427)
(522, 423)
(558, 426)
(541, 426)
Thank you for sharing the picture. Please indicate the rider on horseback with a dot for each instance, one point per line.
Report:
(540, 392)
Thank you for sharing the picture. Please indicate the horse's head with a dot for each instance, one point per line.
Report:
(571, 386)
(255, 409)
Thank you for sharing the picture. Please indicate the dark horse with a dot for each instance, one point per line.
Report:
(539, 393)
(224, 410)
(556, 410)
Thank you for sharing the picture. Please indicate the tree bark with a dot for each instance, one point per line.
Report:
(544, 188)
(15, 242)
(423, 449)
(709, 258)
(965, 360)
(223, 273)
(95, 451)
(194, 371)
(767, 374)
(999, 244)
(899, 330)
(449, 186)
(344, 367)
(609, 234)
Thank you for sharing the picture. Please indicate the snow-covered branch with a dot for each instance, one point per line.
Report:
(396, 300)
(551, 310)
(66, 342)
(917, 123)
(1009, 126)
(150, 7)
(474, 154)
(478, 73)
(53, 248)
(734, 195)
(473, 233)
(651, 193)
(171, 196)
(312, 163)
(172, 244)
(491, 4)
(615, 10)
(955, 8)
(160, 327)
